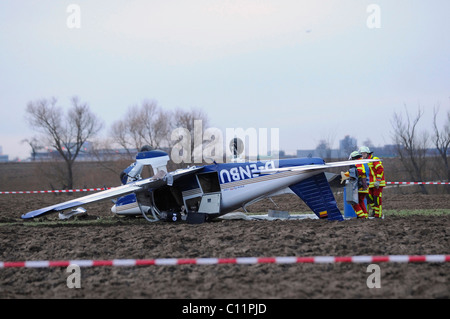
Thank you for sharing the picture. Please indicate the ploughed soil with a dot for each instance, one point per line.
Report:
(101, 236)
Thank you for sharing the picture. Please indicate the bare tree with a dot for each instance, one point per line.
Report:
(324, 149)
(185, 119)
(66, 134)
(155, 125)
(195, 121)
(35, 146)
(441, 139)
(147, 124)
(411, 146)
(348, 145)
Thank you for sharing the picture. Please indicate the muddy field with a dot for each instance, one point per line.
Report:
(121, 238)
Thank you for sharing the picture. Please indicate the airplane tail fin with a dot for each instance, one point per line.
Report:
(316, 193)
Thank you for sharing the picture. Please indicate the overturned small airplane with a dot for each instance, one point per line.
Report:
(201, 193)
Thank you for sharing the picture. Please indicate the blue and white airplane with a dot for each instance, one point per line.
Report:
(202, 193)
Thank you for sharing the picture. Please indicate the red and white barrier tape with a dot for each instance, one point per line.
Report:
(417, 183)
(58, 191)
(105, 188)
(238, 260)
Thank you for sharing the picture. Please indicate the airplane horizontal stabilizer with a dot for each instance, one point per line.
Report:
(316, 193)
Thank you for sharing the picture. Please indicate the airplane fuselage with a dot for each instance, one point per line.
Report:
(211, 190)
(223, 188)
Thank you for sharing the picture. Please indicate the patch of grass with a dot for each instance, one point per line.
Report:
(115, 220)
(76, 222)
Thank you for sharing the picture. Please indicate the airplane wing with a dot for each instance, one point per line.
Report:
(312, 167)
(134, 187)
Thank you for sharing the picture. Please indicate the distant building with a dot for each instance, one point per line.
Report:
(385, 151)
(3, 158)
(329, 153)
(347, 145)
(85, 155)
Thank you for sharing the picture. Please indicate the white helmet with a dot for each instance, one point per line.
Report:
(364, 149)
(354, 155)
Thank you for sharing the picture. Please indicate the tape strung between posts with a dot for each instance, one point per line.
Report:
(58, 191)
(105, 188)
(238, 260)
(417, 183)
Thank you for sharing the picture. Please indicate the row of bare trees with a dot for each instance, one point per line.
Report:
(413, 146)
(149, 124)
(145, 124)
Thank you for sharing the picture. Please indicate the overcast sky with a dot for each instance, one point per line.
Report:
(314, 69)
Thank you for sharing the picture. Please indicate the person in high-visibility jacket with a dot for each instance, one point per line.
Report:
(360, 207)
(376, 182)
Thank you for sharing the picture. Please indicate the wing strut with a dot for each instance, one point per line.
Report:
(153, 209)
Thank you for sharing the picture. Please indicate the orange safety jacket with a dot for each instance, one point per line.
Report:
(376, 172)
